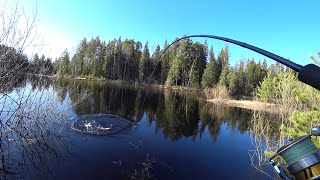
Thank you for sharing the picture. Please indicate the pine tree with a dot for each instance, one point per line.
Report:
(41, 66)
(156, 64)
(144, 64)
(174, 72)
(77, 63)
(194, 78)
(184, 52)
(64, 63)
(110, 60)
(241, 79)
(208, 78)
(225, 56)
(165, 65)
(137, 56)
(102, 60)
(48, 66)
(35, 64)
(218, 66)
(128, 49)
(250, 77)
(118, 59)
(264, 69)
(233, 82)
(266, 88)
(35, 59)
(195, 57)
(224, 77)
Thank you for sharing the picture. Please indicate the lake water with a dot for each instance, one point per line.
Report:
(174, 135)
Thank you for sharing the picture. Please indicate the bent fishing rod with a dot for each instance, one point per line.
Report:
(301, 156)
(309, 74)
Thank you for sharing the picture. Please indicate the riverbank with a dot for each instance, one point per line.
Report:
(131, 83)
(246, 104)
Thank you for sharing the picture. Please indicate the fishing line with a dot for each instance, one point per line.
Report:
(286, 62)
(299, 151)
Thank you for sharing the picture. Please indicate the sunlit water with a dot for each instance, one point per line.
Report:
(172, 135)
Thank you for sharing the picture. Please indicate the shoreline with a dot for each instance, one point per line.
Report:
(131, 83)
(244, 104)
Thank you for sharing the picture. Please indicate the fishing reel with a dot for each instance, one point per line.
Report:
(301, 157)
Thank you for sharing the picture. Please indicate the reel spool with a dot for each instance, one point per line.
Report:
(302, 158)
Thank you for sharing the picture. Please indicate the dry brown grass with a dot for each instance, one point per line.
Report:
(217, 92)
(220, 95)
(246, 104)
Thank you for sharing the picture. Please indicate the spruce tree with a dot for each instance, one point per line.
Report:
(64, 63)
(208, 78)
(165, 66)
(156, 64)
(144, 64)
(224, 77)
(218, 66)
(233, 82)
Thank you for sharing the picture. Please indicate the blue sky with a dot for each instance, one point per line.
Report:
(289, 28)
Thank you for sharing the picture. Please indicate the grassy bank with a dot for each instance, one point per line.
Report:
(246, 104)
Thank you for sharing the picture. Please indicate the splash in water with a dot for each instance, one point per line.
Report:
(100, 124)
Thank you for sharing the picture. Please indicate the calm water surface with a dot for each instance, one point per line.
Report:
(178, 136)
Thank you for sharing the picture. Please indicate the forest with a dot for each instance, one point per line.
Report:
(185, 64)
(167, 96)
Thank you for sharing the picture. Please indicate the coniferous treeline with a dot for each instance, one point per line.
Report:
(41, 65)
(186, 64)
(10, 58)
(14, 61)
(15, 66)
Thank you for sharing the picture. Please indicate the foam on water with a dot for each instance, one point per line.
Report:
(100, 124)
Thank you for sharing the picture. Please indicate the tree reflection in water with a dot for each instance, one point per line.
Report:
(266, 140)
(30, 130)
(177, 114)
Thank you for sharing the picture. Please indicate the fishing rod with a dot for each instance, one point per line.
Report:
(301, 156)
(309, 74)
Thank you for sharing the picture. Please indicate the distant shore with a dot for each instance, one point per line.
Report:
(131, 83)
(245, 104)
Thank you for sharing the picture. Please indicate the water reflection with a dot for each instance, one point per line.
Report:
(177, 114)
(31, 158)
(174, 129)
(266, 140)
(30, 124)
